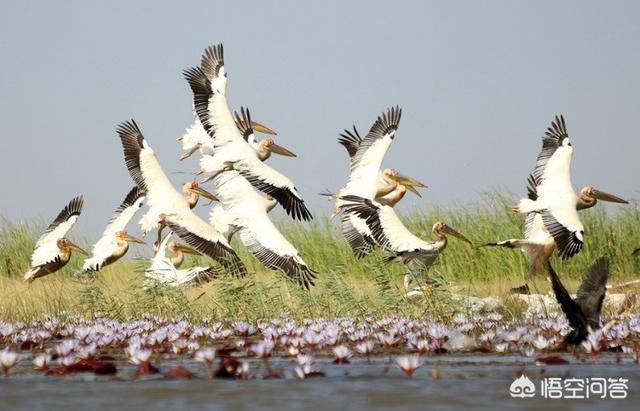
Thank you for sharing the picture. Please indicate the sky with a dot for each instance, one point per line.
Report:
(478, 82)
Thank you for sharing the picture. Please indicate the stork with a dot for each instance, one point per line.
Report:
(392, 235)
(209, 85)
(168, 206)
(115, 240)
(53, 249)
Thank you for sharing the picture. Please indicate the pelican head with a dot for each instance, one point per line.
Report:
(178, 248)
(124, 236)
(261, 128)
(590, 196)
(66, 245)
(393, 176)
(192, 190)
(440, 228)
(269, 146)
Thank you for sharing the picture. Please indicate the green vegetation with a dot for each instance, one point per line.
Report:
(345, 286)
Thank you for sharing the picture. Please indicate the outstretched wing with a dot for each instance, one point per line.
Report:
(571, 309)
(374, 146)
(555, 137)
(350, 140)
(592, 291)
(567, 234)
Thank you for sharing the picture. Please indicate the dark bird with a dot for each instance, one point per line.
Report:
(583, 313)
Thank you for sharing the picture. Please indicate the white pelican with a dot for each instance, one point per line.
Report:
(554, 197)
(209, 86)
(114, 242)
(197, 139)
(53, 250)
(178, 251)
(192, 192)
(244, 210)
(538, 242)
(163, 269)
(167, 206)
(366, 180)
(392, 235)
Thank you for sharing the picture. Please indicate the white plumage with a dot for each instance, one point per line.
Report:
(163, 271)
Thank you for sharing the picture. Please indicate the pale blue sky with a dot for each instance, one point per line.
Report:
(478, 83)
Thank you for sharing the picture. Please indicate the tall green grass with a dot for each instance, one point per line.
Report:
(346, 286)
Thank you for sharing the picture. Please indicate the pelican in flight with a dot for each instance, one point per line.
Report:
(244, 210)
(178, 251)
(538, 242)
(583, 312)
(163, 269)
(53, 250)
(392, 235)
(209, 85)
(197, 139)
(168, 206)
(115, 240)
(192, 192)
(366, 180)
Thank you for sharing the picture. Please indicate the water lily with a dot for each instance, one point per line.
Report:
(8, 359)
(409, 364)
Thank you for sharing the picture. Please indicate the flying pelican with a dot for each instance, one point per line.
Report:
(114, 242)
(367, 181)
(392, 235)
(197, 139)
(178, 251)
(164, 270)
(244, 210)
(53, 250)
(192, 192)
(538, 243)
(583, 313)
(209, 86)
(167, 206)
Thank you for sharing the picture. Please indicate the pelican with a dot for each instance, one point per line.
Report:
(192, 192)
(244, 210)
(538, 242)
(583, 313)
(178, 251)
(115, 240)
(164, 270)
(367, 181)
(392, 235)
(168, 206)
(209, 86)
(197, 139)
(53, 250)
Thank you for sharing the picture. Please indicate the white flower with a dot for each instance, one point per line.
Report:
(8, 359)
(342, 353)
(540, 342)
(206, 355)
(409, 363)
(263, 348)
(41, 362)
(365, 347)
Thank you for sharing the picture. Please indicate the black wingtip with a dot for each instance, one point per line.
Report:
(243, 122)
(387, 122)
(212, 60)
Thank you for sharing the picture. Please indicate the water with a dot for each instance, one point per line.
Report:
(464, 381)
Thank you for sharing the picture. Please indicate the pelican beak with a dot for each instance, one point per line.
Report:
(77, 248)
(601, 195)
(189, 152)
(261, 128)
(274, 148)
(204, 193)
(187, 250)
(454, 233)
(409, 183)
(131, 239)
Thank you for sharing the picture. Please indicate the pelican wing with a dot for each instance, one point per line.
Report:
(570, 308)
(592, 291)
(555, 138)
(350, 140)
(269, 246)
(46, 249)
(107, 244)
(195, 138)
(203, 238)
(374, 146)
(357, 234)
(566, 229)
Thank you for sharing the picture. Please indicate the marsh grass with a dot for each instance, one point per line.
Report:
(345, 286)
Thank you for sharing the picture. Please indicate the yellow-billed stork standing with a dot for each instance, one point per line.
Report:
(244, 210)
(53, 249)
(209, 86)
(539, 242)
(163, 269)
(168, 206)
(392, 235)
(115, 240)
